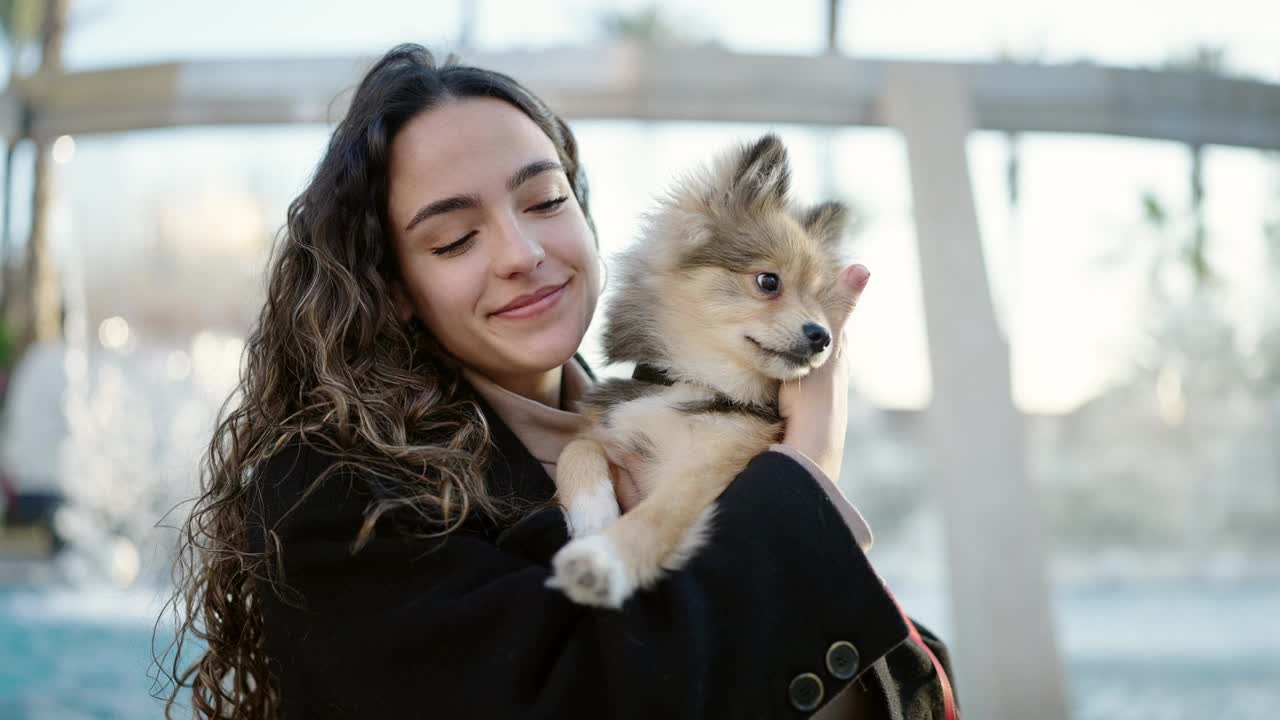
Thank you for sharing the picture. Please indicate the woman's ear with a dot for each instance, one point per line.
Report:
(404, 308)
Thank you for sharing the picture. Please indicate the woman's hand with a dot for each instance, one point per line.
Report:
(625, 487)
(816, 407)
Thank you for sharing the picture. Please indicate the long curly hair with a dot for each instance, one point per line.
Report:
(329, 363)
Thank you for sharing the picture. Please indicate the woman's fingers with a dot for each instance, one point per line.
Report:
(625, 488)
(852, 280)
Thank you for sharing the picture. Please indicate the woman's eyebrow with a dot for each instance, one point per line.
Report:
(468, 202)
(439, 207)
(532, 170)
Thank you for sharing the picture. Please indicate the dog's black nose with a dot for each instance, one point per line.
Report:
(818, 336)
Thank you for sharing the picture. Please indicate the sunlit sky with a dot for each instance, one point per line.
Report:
(1073, 319)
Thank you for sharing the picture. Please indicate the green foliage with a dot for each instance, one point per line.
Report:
(1153, 210)
(1187, 250)
(7, 348)
(20, 21)
(648, 26)
(1202, 58)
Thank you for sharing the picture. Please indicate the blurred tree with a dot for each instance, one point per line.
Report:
(32, 298)
(1177, 458)
(6, 347)
(1184, 251)
(1210, 59)
(1177, 249)
(20, 27)
(651, 26)
(20, 30)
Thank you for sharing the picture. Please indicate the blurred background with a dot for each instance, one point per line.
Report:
(1066, 397)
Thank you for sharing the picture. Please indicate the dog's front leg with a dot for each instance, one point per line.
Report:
(584, 487)
(659, 534)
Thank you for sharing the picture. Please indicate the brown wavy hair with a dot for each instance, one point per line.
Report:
(328, 363)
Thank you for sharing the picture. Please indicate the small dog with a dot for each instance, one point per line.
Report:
(727, 295)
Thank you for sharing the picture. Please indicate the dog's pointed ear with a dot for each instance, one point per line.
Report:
(762, 175)
(826, 222)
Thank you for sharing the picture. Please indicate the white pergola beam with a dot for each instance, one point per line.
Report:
(630, 82)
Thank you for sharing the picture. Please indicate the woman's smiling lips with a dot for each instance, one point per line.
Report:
(535, 304)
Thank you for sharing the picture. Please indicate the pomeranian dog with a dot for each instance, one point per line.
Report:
(727, 295)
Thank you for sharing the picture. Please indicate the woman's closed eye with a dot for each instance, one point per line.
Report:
(549, 206)
(456, 246)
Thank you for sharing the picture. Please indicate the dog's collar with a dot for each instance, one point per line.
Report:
(721, 403)
(645, 372)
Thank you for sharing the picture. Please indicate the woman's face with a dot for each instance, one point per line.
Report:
(484, 221)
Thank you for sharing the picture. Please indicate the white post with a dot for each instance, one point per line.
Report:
(1007, 662)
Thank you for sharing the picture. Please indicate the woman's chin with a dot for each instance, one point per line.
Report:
(546, 351)
(538, 347)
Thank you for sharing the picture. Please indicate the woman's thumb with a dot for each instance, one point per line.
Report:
(852, 281)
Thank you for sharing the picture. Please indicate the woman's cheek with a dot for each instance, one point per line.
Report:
(446, 296)
(461, 279)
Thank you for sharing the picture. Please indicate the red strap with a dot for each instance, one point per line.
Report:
(948, 698)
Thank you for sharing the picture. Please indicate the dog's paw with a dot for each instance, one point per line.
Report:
(591, 572)
(592, 511)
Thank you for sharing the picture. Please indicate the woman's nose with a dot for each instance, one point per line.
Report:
(518, 249)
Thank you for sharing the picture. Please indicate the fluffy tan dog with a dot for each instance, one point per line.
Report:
(730, 292)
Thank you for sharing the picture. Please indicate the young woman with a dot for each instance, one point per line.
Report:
(378, 512)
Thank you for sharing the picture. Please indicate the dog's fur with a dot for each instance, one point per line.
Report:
(691, 310)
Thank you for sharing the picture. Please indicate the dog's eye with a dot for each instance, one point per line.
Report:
(769, 282)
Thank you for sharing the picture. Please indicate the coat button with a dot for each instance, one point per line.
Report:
(842, 660)
(806, 692)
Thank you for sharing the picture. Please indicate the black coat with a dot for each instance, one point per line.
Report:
(466, 628)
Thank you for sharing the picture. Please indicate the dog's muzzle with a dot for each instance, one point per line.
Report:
(817, 336)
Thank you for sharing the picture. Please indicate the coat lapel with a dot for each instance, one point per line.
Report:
(514, 472)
